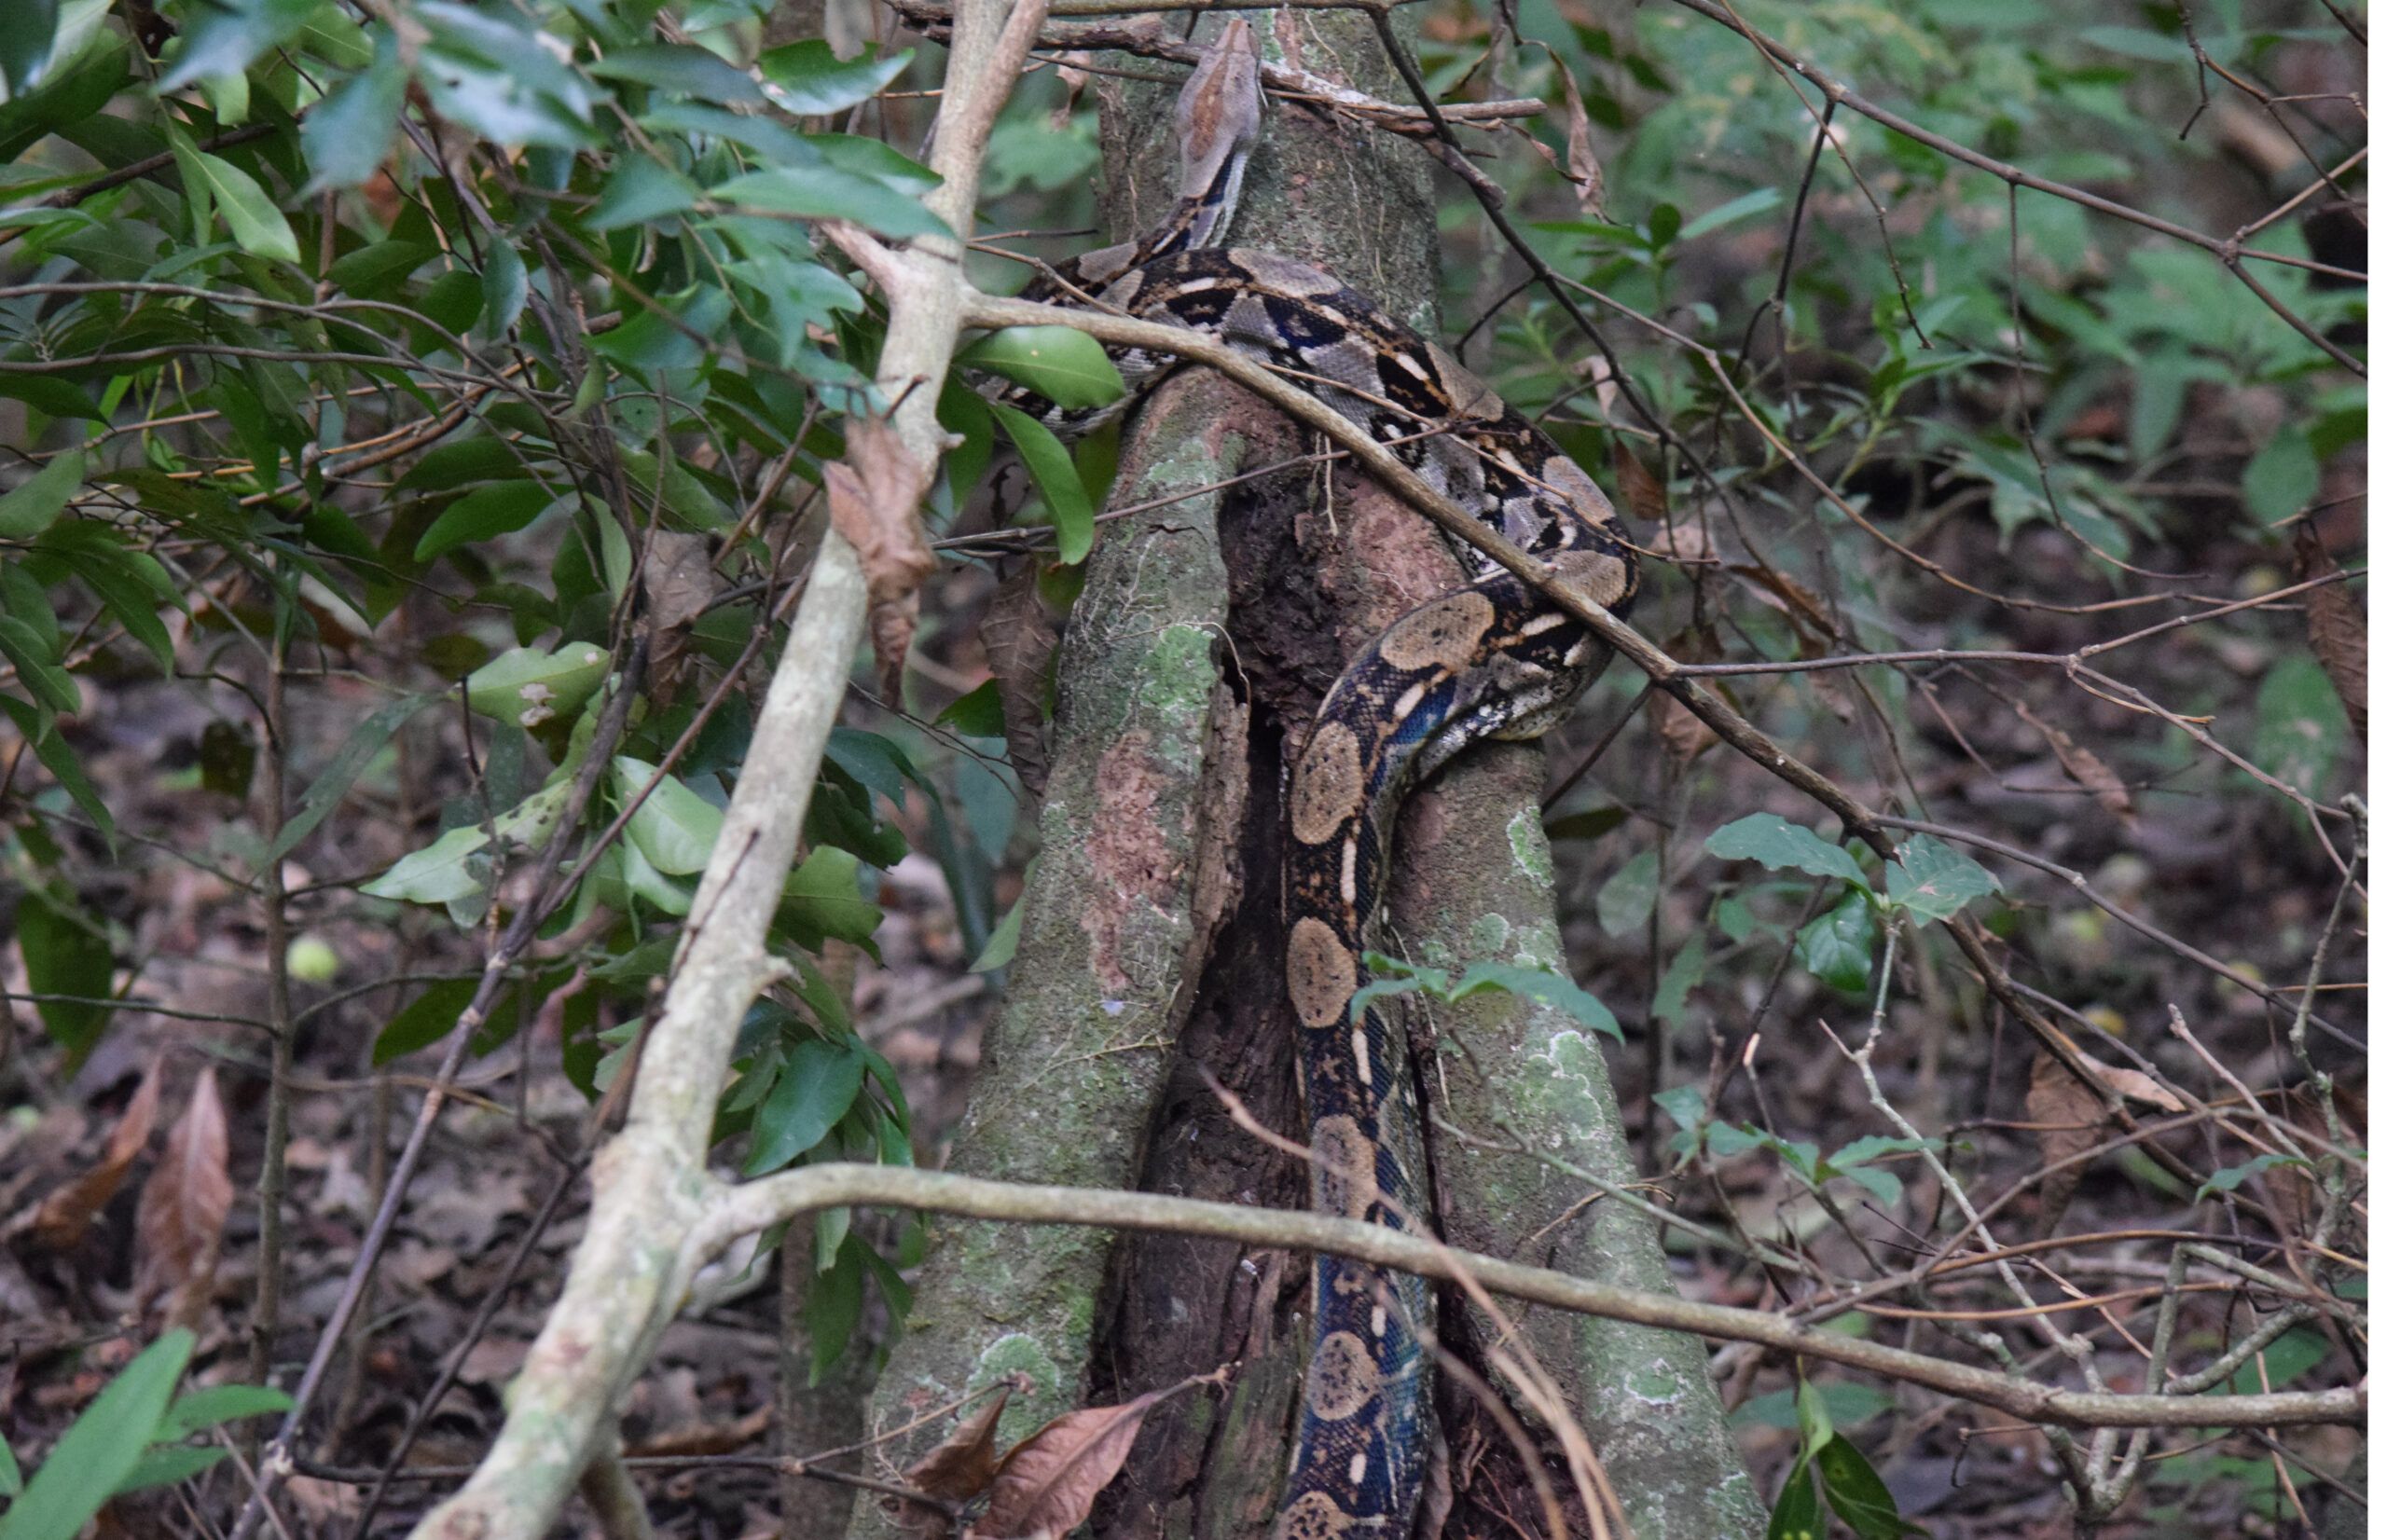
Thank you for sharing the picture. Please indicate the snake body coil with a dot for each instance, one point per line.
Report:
(1492, 659)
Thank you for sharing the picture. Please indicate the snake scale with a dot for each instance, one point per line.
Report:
(1491, 659)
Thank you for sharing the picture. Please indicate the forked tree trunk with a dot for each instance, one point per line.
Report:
(1150, 955)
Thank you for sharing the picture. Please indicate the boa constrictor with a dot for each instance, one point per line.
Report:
(1492, 659)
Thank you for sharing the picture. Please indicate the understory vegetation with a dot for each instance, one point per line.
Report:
(457, 476)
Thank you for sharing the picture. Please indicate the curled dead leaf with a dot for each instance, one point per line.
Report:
(1582, 166)
(1045, 1487)
(956, 1470)
(678, 584)
(1644, 494)
(60, 1219)
(2339, 631)
(2070, 1121)
(873, 496)
(179, 1227)
(2083, 765)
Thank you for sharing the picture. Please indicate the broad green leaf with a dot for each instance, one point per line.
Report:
(978, 714)
(673, 827)
(1814, 1420)
(12, 1480)
(1798, 1513)
(1857, 1494)
(505, 288)
(1056, 479)
(429, 1017)
(530, 685)
(332, 783)
(1060, 364)
(346, 135)
(833, 1297)
(484, 512)
(163, 1464)
(222, 37)
(1684, 974)
(1778, 843)
(1627, 897)
(807, 79)
(66, 952)
(826, 891)
(101, 1446)
(215, 1405)
(25, 44)
(1931, 880)
(257, 226)
(681, 69)
(2299, 724)
(820, 1083)
(2284, 476)
(32, 645)
(639, 191)
(1838, 946)
(1540, 983)
(31, 506)
(442, 871)
(58, 757)
(827, 192)
(1003, 944)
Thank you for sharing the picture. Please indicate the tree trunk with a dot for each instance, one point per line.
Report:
(1296, 571)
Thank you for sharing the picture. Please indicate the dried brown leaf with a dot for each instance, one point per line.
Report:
(62, 1217)
(2083, 765)
(678, 584)
(1685, 736)
(2071, 1120)
(2137, 1085)
(1808, 613)
(1582, 166)
(960, 1468)
(1046, 1485)
(2334, 619)
(179, 1226)
(874, 495)
(1644, 494)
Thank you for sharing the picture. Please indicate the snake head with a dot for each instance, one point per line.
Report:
(1218, 123)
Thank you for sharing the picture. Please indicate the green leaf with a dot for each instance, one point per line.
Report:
(332, 783)
(681, 69)
(429, 1017)
(1540, 983)
(484, 512)
(1061, 364)
(1056, 479)
(58, 757)
(1743, 207)
(222, 37)
(530, 685)
(102, 1447)
(1626, 897)
(2284, 478)
(833, 1303)
(215, 1405)
(820, 1083)
(1588, 825)
(809, 79)
(1814, 1420)
(1682, 975)
(2230, 1178)
(163, 1464)
(346, 135)
(1857, 1495)
(1778, 844)
(12, 1480)
(1838, 946)
(505, 288)
(2300, 725)
(639, 191)
(825, 891)
(67, 953)
(674, 829)
(826, 192)
(978, 714)
(25, 43)
(257, 226)
(1798, 1513)
(35, 504)
(1003, 943)
(441, 872)
(1932, 881)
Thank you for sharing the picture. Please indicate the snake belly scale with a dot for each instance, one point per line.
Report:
(1491, 659)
